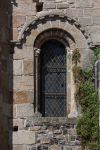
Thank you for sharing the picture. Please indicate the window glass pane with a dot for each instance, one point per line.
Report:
(53, 79)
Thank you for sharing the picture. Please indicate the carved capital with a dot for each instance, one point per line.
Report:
(69, 55)
(37, 52)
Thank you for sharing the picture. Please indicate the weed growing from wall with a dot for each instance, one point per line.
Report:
(87, 97)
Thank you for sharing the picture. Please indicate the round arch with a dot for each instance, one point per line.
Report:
(58, 26)
(48, 20)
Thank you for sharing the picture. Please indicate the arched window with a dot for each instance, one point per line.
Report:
(52, 74)
(52, 82)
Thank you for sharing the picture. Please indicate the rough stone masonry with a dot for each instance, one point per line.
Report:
(29, 23)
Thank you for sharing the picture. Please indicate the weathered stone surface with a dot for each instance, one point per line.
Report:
(16, 123)
(15, 34)
(54, 147)
(85, 21)
(18, 147)
(14, 111)
(23, 83)
(45, 141)
(95, 37)
(49, 6)
(24, 110)
(93, 29)
(19, 123)
(84, 4)
(24, 9)
(23, 137)
(73, 12)
(62, 5)
(35, 128)
(96, 20)
(96, 4)
(92, 12)
(23, 97)
(89, 59)
(18, 21)
(25, 53)
(28, 67)
(17, 67)
(87, 13)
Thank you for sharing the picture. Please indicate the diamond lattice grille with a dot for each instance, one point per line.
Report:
(53, 79)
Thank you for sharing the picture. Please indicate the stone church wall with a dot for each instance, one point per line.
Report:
(86, 12)
(29, 131)
(5, 12)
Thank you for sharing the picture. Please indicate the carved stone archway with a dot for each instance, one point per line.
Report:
(57, 25)
(61, 36)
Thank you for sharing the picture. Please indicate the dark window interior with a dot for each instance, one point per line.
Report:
(53, 79)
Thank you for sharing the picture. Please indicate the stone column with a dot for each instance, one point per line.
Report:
(37, 53)
(68, 82)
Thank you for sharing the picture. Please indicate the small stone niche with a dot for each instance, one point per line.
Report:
(39, 6)
(15, 128)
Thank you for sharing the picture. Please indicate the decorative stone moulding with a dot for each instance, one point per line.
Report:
(64, 29)
(43, 17)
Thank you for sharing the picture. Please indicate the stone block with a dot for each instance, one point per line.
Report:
(23, 83)
(18, 53)
(23, 97)
(77, 12)
(62, 5)
(96, 3)
(14, 111)
(73, 12)
(23, 137)
(17, 147)
(93, 29)
(24, 1)
(35, 128)
(59, 1)
(85, 3)
(24, 110)
(92, 12)
(24, 9)
(96, 20)
(95, 38)
(18, 21)
(54, 147)
(49, 6)
(28, 67)
(25, 52)
(45, 141)
(71, 1)
(85, 21)
(15, 34)
(19, 123)
(87, 55)
(17, 67)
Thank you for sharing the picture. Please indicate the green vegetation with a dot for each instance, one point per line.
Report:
(87, 97)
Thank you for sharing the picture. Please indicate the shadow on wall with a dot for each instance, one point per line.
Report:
(6, 71)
